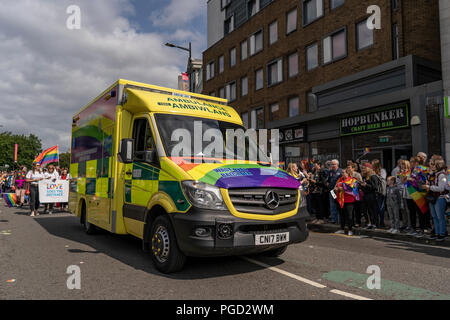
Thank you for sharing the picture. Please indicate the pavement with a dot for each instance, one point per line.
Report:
(380, 233)
(36, 254)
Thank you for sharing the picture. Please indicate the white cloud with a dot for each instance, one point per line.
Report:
(47, 72)
(179, 13)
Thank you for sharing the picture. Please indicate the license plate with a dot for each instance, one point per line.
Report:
(273, 238)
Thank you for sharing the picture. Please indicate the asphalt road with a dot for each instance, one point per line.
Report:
(36, 252)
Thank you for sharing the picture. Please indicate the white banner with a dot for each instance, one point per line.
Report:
(52, 192)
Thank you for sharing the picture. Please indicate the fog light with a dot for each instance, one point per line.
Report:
(202, 232)
(224, 231)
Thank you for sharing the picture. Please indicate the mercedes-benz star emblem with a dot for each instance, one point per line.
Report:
(272, 200)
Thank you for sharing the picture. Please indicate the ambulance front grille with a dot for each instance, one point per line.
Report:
(251, 200)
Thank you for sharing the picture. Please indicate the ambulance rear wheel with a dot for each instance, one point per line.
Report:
(165, 253)
(88, 227)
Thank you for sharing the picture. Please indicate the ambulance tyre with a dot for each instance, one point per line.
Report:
(89, 228)
(165, 253)
(275, 252)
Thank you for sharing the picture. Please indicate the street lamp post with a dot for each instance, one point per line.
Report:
(171, 45)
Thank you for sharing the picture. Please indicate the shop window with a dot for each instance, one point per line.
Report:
(293, 106)
(274, 111)
(244, 86)
(244, 50)
(233, 57)
(312, 10)
(256, 42)
(291, 21)
(364, 35)
(273, 32)
(335, 46)
(336, 3)
(312, 57)
(275, 72)
(244, 117)
(293, 64)
(259, 79)
(325, 150)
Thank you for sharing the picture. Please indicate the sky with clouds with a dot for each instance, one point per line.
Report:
(48, 72)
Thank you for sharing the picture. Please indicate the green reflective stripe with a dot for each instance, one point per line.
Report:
(173, 189)
(91, 186)
(128, 191)
(82, 169)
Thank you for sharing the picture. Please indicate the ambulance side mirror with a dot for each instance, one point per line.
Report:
(125, 154)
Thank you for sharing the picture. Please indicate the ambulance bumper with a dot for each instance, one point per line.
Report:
(205, 233)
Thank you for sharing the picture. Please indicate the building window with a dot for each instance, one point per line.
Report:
(395, 47)
(273, 32)
(233, 57)
(274, 111)
(394, 4)
(257, 118)
(253, 7)
(229, 25)
(311, 102)
(275, 72)
(244, 86)
(312, 57)
(256, 42)
(230, 91)
(210, 70)
(293, 106)
(293, 64)
(364, 36)
(244, 117)
(291, 21)
(259, 79)
(225, 3)
(244, 50)
(212, 94)
(221, 64)
(312, 10)
(222, 93)
(335, 46)
(336, 3)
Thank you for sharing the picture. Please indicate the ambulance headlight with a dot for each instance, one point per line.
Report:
(203, 195)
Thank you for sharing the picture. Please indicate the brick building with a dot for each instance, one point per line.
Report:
(314, 70)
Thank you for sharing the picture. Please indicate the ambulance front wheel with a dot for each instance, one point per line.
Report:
(165, 253)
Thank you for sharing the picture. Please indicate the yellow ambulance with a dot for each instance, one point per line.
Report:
(130, 176)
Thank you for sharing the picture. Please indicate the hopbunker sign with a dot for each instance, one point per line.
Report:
(382, 119)
(52, 192)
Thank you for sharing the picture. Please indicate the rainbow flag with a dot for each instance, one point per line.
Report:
(350, 187)
(416, 193)
(366, 151)
(10, 199)
(48, 156)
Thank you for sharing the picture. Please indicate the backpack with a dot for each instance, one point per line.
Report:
(381, 185)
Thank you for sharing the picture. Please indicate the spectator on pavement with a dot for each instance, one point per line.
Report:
(347, 190)
(394, 202)
(369, 187)
(319, 192)
(333, 176)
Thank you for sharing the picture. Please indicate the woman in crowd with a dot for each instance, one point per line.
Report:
(20, 184)
(409, 222)
(368, 186)
(33, 177)
(438, 203)
(51, 175)
(347, 193)
(381, 198)
(318, 192)
(353, 167)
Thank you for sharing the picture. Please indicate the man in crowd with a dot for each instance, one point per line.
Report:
(333, 176)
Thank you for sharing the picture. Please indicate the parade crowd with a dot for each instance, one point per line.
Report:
(363, 194)
(25, 185)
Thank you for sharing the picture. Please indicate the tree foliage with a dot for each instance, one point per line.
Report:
(28, 148)
(64, 160)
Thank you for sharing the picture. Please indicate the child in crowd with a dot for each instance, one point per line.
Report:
(394, 203)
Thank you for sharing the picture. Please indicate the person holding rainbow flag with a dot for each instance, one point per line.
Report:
(347, 194)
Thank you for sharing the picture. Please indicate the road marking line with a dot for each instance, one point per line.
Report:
(349, 295)
(288, 274)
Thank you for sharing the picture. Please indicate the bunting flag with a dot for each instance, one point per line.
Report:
(350, 186)
(48, 156)
(366, 151)
(10, 199)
